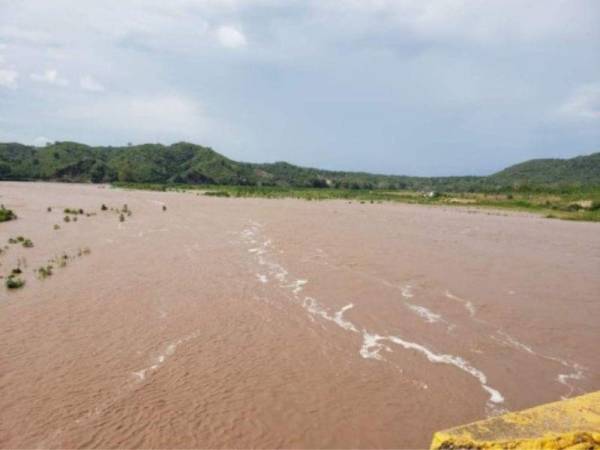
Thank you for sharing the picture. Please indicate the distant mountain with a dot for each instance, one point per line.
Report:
(194, 164)
(581, 170)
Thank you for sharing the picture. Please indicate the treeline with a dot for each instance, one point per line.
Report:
(185, 163)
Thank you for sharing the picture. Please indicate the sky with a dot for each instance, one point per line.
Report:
(417, 87)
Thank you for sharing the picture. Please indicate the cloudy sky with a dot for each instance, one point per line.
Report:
(423, 87)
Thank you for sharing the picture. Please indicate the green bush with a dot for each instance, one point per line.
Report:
(73, 211)
(45, 272)
(6, 214)
(13, 282)
(217, 194)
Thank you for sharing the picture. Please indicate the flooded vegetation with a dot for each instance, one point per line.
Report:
(255, 322)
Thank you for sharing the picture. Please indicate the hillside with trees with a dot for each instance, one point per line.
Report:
(186, 163)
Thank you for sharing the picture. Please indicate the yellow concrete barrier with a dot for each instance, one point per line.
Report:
(572, 424)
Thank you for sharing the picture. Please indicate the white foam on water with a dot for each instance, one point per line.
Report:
(371, 347)
(313, 307)
(425, 313)
(467, 304)
(495, 396)
(163, 357)
(373, 344)
(513, 342)
(457, 361)
(141, 374)
(577, 371)
(338, 318)
(297, 286)
(407, 291)
(563, 378)
(262, 278)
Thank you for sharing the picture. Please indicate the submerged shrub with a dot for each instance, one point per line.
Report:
(67, 219)
(44, 272)
(121, 218)
(13, 282)
(73, 211)
(56, 226)
(62, 260)
(217, 194)
(83, 251)
(6, 214)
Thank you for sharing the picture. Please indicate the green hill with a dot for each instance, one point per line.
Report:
(194, 164)
(581, 170)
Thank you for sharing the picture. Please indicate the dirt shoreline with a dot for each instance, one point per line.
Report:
(225, 322)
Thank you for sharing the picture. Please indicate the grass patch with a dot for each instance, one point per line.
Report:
(217, 194)
(83, 251)
(6, 214)
(44, 272)
(582, 204)
(74, 211)
(25, 242)
(14, 282)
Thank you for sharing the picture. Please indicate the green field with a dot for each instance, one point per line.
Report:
(568, 204)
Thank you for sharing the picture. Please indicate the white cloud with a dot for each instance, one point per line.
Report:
(89, 83)
(159, 118)
(40, 141)
(584, 104)
(8, 78)
(470, 20)
(23, 34)
(49, 76)
(231, 37)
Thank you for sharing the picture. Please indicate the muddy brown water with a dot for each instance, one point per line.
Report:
(285, 323)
